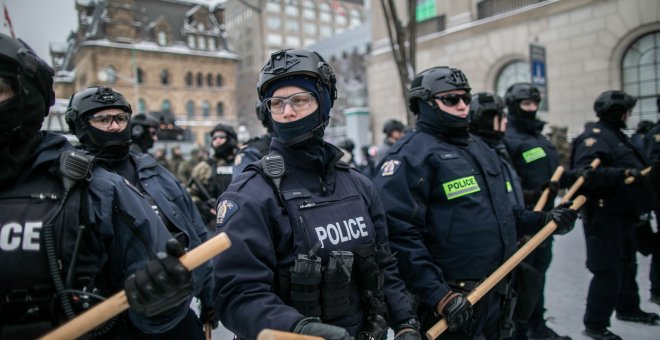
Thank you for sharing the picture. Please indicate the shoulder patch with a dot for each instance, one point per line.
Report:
(239, 158)
(131, 186)
(389, 168)
(589, 142)
(225, 209)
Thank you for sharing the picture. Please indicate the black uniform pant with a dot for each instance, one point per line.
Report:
(540, 259)
(611, 258)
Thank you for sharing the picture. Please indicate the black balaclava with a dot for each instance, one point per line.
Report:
(110, 146)
(225, 151)
(293, 133)
(433, 119)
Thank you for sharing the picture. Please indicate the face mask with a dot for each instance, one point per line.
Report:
(106, 145)
(301, 130)
(16, 150)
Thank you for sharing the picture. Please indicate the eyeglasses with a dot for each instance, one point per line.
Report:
(105, 121)
(452, 99)
(219, 137)
(298, 101)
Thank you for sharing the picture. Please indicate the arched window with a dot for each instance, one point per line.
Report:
(220, 109)
(206, 109)
(200, 79)
(142, 106)
(165, 77)
(190, 110)
(218, 80)
(166, 105)
(139, 76)
(209, 80)
(640, 70)
(514, 72)
(189, 79)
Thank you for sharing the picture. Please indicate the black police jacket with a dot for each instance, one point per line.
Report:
(448, 212)
(605, 188)
(534, 157)
(338, 211)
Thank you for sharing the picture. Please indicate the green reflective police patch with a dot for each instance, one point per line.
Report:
(461, 187)
(509, 188)
(533, 154)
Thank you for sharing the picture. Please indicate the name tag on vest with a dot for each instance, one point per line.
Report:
(461, 187)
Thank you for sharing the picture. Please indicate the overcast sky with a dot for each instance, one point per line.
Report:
(41, 22)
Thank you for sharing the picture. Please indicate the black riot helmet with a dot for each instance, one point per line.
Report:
(437, 79)
(612, 105)
(483, 109)
(227, 149)
(31, 80)
(262, 115)
(516, 93)
(140, 125)
(392, 125)
(305, 69)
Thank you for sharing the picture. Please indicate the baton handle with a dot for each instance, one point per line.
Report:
(546, 193)
(644, 172)
(578, 182)
(271, 334)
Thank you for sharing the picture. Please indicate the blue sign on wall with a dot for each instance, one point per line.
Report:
(538, 72)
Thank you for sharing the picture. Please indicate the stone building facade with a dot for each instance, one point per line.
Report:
(591, 46)
(168, 58)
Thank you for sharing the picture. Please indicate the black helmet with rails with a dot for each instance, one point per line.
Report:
(612, 105)
(516, 93)
(434, 80)
(393, 125)
(484, 108)
(91, 100)
(31, 82)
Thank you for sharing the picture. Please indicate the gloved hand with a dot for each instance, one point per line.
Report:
(407, 330)
(554, 190)
(162, 285)
(586, 172)
(313, 326)
(563, 216)
(207, 315)
(636, 174)
(456, 309)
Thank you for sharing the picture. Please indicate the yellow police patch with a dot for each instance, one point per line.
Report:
(389, 168)
(589, 142)
(225, 209)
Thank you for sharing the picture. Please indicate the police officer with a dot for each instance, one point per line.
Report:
(448, 214)
(610, 215)
(98, 116)
(393, 130)
(255, 148)
(211, 178)
(72, 234)
(652, 144)
(535, 159)
(310, 252)
(144, 132)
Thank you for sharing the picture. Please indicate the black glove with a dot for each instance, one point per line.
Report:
(554, 190)
(407, 330)
(207, 315)
(563, 216)
(313, 326)
(162, 285)
(636, 174)
(456, 309)
(587, 173)
(652, 179)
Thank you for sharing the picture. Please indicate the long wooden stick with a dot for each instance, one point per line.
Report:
(208, 331)
(578, 183)
(644, 172)
(546, 193)
(118, 303)
(494, 278)
(271, 334)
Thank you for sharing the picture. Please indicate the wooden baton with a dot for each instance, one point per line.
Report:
(546, 193)
(631, 179)
(578, 182)
(271, 334)
(118, 303)
(493, 279)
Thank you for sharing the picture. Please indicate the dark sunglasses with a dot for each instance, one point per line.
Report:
(452, 99)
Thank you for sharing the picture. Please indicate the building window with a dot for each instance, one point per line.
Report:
(340, 14)
(274, 23)
(190, 110)
(189, 79)
(220, 109)
(218, 80)
(309, 41)
(206, 109)
(514, 72)
(200, 27)
(274, 39)
(292, 41)
(211, 42)
(640, 70)
(201, 42)
(200, 79)
(162, 38)
(166, 105)
(309, 9)
(139, 76)
(325, 31)
(165, 77)
(209, 80)
(324, 12)
(142, 106)
(292, 26)
(356, 19)
(310, 28)
(191, 41)
(291, 8)
(273, 6)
